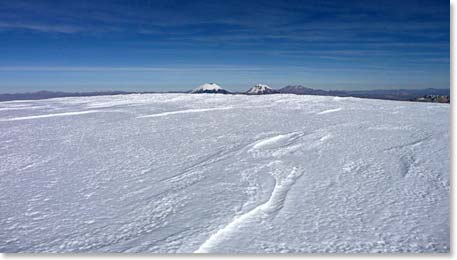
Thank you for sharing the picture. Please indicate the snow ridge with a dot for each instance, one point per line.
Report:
(329, 111)
(260, 213)
(50, 115)
(277, 140)
(186, 111)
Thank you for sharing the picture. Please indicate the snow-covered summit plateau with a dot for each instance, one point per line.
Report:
(203, 173)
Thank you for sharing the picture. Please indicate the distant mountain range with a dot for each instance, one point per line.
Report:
(259, 89)
(389, 94)
(54, 94)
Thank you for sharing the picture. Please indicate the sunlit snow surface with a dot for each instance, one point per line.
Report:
(224, 173)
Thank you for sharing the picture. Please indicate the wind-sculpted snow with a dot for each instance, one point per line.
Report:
(258, 214)
(224, 173)
(186, 111)
(329, 111)
(49, 115)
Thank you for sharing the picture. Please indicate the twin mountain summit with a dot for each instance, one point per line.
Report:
(214, 88)
(421, 95)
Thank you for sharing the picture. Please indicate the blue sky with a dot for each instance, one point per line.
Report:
(177, 45)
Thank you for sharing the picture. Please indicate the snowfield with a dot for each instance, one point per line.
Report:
(224, 174)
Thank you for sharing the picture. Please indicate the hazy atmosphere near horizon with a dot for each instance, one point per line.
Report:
(178, 45)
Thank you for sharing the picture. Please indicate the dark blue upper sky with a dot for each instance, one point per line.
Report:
(176, 45)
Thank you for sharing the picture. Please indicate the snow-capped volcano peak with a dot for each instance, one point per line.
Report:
(261, 89)
(209, 88)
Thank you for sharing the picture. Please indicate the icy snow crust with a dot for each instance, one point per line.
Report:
(207, 173)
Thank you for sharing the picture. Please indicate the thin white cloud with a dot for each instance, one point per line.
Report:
(120, 69)
(214, 68)
(40, 27)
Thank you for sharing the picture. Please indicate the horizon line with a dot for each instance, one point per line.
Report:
(234, 92)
